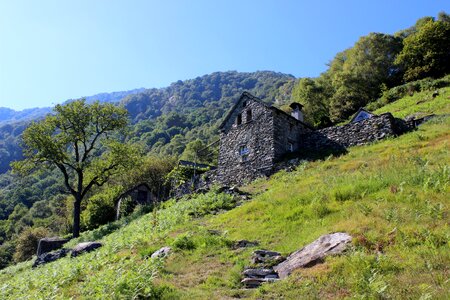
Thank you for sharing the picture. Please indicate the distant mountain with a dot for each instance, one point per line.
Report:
(8, 115)
(165, 119)
(110, 97)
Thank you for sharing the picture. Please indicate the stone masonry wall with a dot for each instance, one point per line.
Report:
(352, 134)
(287, 130)
(256, 135)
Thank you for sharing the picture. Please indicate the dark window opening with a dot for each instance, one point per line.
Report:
(290, 147)
(239, 119)
(142, 196)
(291, 126)
(244, 104)
(244, 158)
(249, 115)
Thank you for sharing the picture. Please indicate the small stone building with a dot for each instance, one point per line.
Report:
(140, 194)
(254, 136)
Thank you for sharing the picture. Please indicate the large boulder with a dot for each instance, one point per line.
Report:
(85, 247)
(163, 252)
(49, 244)
(50, 256)
(329, 244)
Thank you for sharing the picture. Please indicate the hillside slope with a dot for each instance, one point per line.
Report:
(391, 196)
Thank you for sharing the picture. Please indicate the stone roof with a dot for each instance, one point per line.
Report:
(256, 99)
(362, 110)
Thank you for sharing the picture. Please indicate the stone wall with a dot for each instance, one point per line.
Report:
(256, 135)
(287, 130)
(352, 134)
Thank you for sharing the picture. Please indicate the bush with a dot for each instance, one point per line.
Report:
(27, 243)
(100, 210)
(183, 242)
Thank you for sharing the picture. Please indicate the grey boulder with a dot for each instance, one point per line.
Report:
(308, 256)
(49, 244)
(50, 256)
(85, 247)
(163, 252)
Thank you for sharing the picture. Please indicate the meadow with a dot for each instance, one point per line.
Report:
(391, 196)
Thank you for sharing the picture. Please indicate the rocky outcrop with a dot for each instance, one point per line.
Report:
(49, 244)
(245, 244)
(263, 272)
(50, 256)
(55, 255)
(266, 257)
(308, 256)
(314, 253)
(163, 252)
(85, 247)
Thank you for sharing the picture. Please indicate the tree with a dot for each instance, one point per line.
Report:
(358, 73)
(426, 51)
(312, 94)
(198, 152)
(82, 142)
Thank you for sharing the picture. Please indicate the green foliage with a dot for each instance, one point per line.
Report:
(70, 141)
(27, 243)
(425, 52)
(183, 242)
(312, 94)
(362, 71)
(100, 209)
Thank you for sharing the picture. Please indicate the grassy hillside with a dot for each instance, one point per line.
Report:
(392, 196)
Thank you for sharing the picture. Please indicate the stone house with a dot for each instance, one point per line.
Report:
(255, 136)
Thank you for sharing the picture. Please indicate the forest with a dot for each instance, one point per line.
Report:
(170, 123)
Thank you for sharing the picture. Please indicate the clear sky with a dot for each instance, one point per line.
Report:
(53, 50)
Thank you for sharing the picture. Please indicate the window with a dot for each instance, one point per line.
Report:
(244, 104)
(291, 126)
(290, 147)
(249, 115)
(239, 119)
(244, 158)
(243, 150)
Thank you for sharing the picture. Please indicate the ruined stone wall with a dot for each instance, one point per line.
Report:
(352, 134)
(256, 135)
(287, 130)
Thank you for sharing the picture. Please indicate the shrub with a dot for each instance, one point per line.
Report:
(100, 210)
(183, 242)
(27, 243)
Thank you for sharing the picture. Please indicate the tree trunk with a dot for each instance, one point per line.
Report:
(76, 217)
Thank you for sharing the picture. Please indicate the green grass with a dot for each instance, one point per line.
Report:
(391, 196)
(420, 103)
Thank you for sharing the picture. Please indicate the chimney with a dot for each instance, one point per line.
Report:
(297, 111)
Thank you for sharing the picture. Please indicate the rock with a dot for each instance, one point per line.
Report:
(259, 273)
(435, 94)
(163, 252)
(329, 244)
(244, 244)
(214, 232)
(266, 257)
(50, 256)
(255, 282)
(49, 244)
(85, 247)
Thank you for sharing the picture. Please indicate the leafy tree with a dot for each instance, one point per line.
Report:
(313, 96)
(197, 151)
(426, 52)
(358, 73)
(79, 140)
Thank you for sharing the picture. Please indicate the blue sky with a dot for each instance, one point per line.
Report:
(51, 51)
